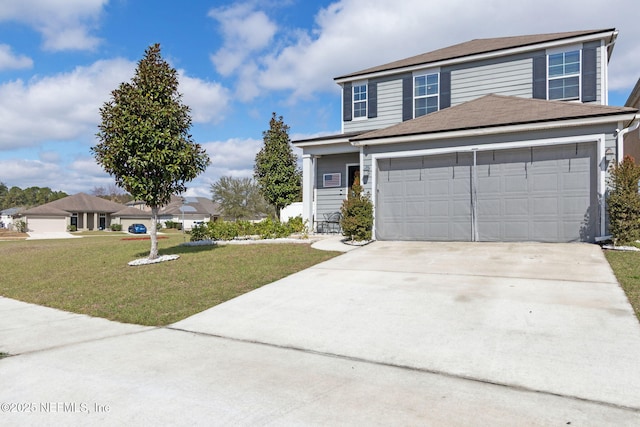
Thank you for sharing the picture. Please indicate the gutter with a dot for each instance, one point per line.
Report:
(620, 134)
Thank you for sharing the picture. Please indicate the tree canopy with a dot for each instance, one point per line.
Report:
(276, 168)
(239, 198)
(32, 196)
(144, 139)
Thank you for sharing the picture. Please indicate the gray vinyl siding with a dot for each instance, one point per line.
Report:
(511, 78)
(389, 105)
(329, 200)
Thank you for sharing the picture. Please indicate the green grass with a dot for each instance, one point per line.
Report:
(91, 276)
(626, 266)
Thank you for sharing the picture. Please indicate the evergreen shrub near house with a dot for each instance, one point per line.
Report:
(20, 226)
(116, 227)
(623, 203)
(357, 214)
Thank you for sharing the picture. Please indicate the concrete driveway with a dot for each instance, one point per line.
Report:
(391, 334)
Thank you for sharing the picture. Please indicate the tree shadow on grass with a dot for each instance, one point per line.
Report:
(181, 250)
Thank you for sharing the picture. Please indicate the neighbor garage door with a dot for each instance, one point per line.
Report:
(47, 225)
(543, 194)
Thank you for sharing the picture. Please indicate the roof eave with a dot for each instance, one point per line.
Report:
(498, 129)
(484, 55)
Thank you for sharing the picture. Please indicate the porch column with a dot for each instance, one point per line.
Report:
(84, 221)
(308, 185)
(95, 221)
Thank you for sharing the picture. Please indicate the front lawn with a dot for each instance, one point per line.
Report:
(91, 276)
(626, 266)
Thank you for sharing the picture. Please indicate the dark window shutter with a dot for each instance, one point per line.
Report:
(407, 97)
(540, 77)
(347, 104)
(589, 73)
(445, 89)
(372, 100)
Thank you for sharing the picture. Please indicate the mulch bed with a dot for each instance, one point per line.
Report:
(142, 238)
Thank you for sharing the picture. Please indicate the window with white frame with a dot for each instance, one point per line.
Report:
(564, 75)
(426, 90)
(359, 100)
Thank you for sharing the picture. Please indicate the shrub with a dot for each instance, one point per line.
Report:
(158, 225)
(116, 227)
(199, 232)
(357, 214)
(20, 225)
(72, 228)
(222, 230)
(623, 204)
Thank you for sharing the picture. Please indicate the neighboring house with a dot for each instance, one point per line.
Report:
(132, 215)
(632, 135)
(7, 217)
(81, 210)
(189, 211)
(504, 139)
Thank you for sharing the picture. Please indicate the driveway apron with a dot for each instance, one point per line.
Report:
(541, 317)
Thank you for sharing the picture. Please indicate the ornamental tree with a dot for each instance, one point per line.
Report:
(144, 137)
(276, 168)
(239, 198)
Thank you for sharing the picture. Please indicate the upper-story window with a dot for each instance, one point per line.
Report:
(359, 100)
(425, 94)
(564, 75)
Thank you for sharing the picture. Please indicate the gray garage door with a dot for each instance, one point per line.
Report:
(545, 194)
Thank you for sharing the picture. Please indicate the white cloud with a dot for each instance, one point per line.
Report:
(208, 100)
(350, 35)
(66, 106)
(64, 24)
(59, 107)
(245, 31)
(11, 61)
(236, 154)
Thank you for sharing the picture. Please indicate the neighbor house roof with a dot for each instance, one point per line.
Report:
(80, 202)
(476, 47)
(11, 211)
(634, 97)
(494, 111)
(131, 212)
(198, 205)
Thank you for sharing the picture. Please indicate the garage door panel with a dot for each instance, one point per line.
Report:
(438, 199)
(541, 194)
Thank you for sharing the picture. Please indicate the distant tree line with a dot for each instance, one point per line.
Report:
(33, 196)
(113, 193)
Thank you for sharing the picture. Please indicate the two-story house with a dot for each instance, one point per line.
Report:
(504, 139)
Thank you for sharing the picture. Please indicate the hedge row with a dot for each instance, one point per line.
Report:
(229, 230)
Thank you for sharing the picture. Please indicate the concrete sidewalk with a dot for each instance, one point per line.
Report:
(388, 334)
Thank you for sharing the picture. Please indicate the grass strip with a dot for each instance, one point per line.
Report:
(626, 266)
(91, 276)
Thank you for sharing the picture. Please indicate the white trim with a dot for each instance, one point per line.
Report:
(425, 74)
(604, 74)
(346, 179)
(599, 139)
(558, 51)
(488, 55)
(353, 100)
(495, 130)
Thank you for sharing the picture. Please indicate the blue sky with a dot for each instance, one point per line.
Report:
(238, 63)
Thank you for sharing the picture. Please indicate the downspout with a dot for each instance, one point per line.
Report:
(620, 134)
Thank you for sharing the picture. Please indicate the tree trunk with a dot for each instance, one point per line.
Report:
(153, 254)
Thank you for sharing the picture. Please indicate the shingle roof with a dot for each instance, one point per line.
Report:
(201, 205)
(80, 202)
(492, 111)
(634, 96)
(131, 212)
(474, 47)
